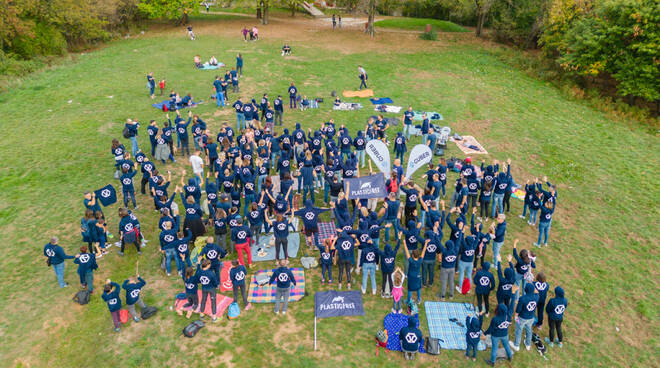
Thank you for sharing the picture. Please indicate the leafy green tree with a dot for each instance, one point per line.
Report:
(174, 10)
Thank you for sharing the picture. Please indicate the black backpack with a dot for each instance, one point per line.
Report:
(192, 329)
(126, 133)
(148, 312)
(82, 297)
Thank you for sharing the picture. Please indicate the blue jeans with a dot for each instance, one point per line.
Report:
(369, 270)
(524, 324)
(199, 144)
(497, 204)
(59, 274)
(326, 190)
(399, 155)
(473, 348)
(131, 195)
(410, 293)
(151, 89)
(423, 217)
(182, 264)
(344, 155)
(464, 267)
(428, 271)
(496, 251)
(274, 157)
(395, 225)
(496, 342)
(198, 179)
(249, 198)
(532, 216)
(220, 98)
(326, 269)
(425, 137)
(360, 156)
(406, 130)
(261, 179)
(310, 189)
(544, 227)
(170, 255)
(240, 121)
(89, 280)
(525, 207)
(134, 145)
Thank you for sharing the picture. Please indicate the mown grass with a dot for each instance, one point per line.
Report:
(603, 242)
(419, 24)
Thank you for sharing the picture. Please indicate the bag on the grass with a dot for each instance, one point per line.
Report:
(465, 287)
(123, 316)
(233, 311)
(148, 312)
(82, 297)
(165, 109)
(192, 328)
(381, 336)
(413, 309)
(432, 346)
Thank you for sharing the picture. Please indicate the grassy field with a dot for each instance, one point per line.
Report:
(418, 24)
(58, 125)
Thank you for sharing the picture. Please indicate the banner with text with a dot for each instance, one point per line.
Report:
(419, 156)
(364, 187)
(338, 303)
(380, 155)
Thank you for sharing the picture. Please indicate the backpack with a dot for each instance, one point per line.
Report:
(465, 287)
(123, 316)
(126, 133)
(165, 109)
(192, 329)
(84, 229)
(233, 311)
(148, 312)
(381, 336)
(393, 187)
(432, 346)
(82, 297)
(413, 309)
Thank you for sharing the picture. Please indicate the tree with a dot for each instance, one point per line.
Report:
(263, 5)
(293, 5)
(371, 10)
(174, 10)
(482, 8)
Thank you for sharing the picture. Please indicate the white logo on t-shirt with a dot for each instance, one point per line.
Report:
(239, 276)
(309, 216)
(212, 254)
(135, 293)
(50, 253)
(450, 258)
(531, 306)
(346, 245)
(370, 256)
(283, 277)
(560, 309)
(168, 238)
(204, 280)
(105, 193)
(504, 325)
(411, 338)
(126, 181)
(84, 258)
(484, 281)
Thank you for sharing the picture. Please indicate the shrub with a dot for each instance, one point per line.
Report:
(47, 40)
(432, 35)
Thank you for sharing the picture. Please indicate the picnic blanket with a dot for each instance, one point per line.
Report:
(362, 93)
(207, 66)
(469, 145)
(388, 108)
(266, 293)
(388, 121)
(381, 101)
(326, 231)
(262, 252)
(447, 323)
(518, 194)
(221, 304)
(159, 105)
(347, 106)
(432, 115)
(393, 323)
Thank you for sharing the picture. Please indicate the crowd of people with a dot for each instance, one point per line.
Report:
(231, 194)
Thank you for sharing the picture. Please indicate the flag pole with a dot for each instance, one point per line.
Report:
(315, 332)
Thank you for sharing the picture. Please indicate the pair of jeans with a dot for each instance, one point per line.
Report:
(471, 348)
(395, 226)
(170, 255)
(326, 192)
(532, 216)
(249, 198)
(496, 252)
(193, 301)
(422, 217)
(410, 294)
(310, 189)
(446, 277)
(425, 138)
(205, 294)
(326, 269)
(555, 326)
(464, 268)
(369, 270)
(483, 208)
(282, 294)
(360, 156)
(181, 264)
(363, 83)
(428, 271)
(396, 304)
(239, 70)
(59, 273)
(134, 145)
(234, 88)
(240, 121)
(278, 116)
(89, 280)
(131, 195)
(235, 289)
(261, 179)
(526, 325)
(406, 130)
(544, 227)
(496, 342)
(115, 319)
(399, 155)
(220, 98)
(274, 158)
(497, 204)
(525, 207)
(185, 147)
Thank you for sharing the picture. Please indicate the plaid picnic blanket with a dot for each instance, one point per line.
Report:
(266, 293)
(447, 323)
(326, 231)
(221, 302)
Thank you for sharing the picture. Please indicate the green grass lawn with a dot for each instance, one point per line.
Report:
(419, 24)
(58, 125)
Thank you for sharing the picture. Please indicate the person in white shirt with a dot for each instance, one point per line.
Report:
(197, 166)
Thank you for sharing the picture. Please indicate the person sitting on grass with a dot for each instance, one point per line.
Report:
(410, 337)
(286, 49)
(198, 61)
(213, 61)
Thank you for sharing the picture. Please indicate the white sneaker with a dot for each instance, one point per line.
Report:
(373, 292)
(364, 291)
(528, 347)
(284, 312)
(513, 346)
(458, 289)
(277, 312)
(521, 216)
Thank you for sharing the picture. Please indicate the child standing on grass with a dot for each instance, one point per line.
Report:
(190, 281)
(542, 289)
(210, 285)
(161, 85)
(472, 335)
(86, 265)
(111, 296)
(327, 252)
(397, 289)
(237, 274)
